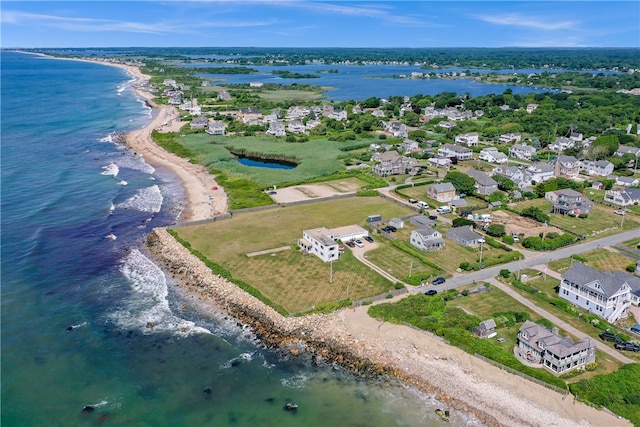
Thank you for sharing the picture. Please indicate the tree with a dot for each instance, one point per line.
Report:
(496, 230)
(462, 183)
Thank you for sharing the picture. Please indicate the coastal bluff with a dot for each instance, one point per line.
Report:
(372, 348)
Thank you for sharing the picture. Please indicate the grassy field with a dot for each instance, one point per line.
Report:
(295, 281)
(600, 259)
(291, 95)
(398, 263)
(315, 158)
(601, 221)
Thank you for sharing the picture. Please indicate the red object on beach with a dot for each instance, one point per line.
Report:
(215, 187)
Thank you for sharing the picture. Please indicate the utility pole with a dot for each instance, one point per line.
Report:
(410, 268)
(481, 255)
(331, 272)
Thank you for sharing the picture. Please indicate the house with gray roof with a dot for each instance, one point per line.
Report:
(622, 196)
(442, 192)
(625, 149)
(485, 185)
(216, 128)
(464, 236)
(626, 181)
(392, 163)
(422, 221)
(568, 201)
(597, 167)
(486, 329)
(320, 242)
(604, 293)
(457, 151)
(200, 122)
(559, 354)
(522, 151)
(427, 239)
(567, 167)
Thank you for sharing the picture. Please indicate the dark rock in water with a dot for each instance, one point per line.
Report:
(290, 406)
(269, 400)
(235, 363)
(88, 409)
(207, 390)
(69, 328)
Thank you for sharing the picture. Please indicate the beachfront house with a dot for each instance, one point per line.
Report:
(597, 167)
(319, 242)
(200, 122)
(510, 137)
(427, 239)
(469, 139)
(392, 163)
(492, 155)
(604, 293)
(276, 128)
(567, 167)
(626, 181)
(537, 344)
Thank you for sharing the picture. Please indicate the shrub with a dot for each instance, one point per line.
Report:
(508, 240)
(505, 273)
(631, 267)
(496, 230)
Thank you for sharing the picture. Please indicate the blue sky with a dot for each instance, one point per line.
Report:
(281, 23)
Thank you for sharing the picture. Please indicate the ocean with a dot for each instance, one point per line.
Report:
(78, 290)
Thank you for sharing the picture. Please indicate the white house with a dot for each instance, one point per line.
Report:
(321, 243)
(540, 172)
(627, 181)
(623, 196)
(597, 167)
(469, 139)
(562, 143)
(216, 128)
(440, 162)
(567, 167)
(451, 150)
(510, 137)
(531, 108)
(427, 239)
(521, 151)
(625, 149)
(296, 126)
(492, 155)
(409, 145)
(605, 293)
(276, 129)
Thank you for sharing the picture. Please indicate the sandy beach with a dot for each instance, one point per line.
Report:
(204, 197)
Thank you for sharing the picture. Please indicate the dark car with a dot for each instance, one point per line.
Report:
(392, 228)
(636, 328)
(433, 217)
(628, 346)
(431, 292)
(438, 281)
(611, 337)
(368, 239)
(350, 244)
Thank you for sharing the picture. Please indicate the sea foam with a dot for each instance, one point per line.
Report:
(145, 200)
(111, 169)
(147, 308)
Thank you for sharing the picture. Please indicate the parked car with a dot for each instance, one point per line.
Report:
(628, 346)
(413, 201)
(636, 328)
(610, 336)
(619, 212)
(359, 243)
(351, 244)
(431, 292)
(368, 239)
(438, 281)
(433, 217)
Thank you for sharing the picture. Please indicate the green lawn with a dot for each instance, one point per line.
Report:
(600, 259)
(288, 278)
(399, 263)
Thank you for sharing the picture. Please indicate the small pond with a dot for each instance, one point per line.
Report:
(266, 163)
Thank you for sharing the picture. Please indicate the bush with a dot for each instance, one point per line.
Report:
(505, 273)
(631, 267)
(496, 230)
(461, 222)
(508, 240)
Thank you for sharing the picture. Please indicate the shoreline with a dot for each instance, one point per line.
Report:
(202, 200)
(367, 346)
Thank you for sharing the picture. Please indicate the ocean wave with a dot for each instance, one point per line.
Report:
(111, 169)
(244, 357)
(134, 161)
(147, 309)
(145, 200)
(297, 381)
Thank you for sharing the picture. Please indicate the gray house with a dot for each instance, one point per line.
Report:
(559, 354)
(485, 185)
(486, 329)
(569, 201)
(427, 239)
(464, 236)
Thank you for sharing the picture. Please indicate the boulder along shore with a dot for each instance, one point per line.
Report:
(369, 347)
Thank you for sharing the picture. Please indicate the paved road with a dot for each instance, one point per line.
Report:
(558, 322)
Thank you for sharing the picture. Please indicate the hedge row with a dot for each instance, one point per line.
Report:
(416, 253)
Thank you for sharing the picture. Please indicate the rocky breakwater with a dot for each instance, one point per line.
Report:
(328, 338)
(319, 335)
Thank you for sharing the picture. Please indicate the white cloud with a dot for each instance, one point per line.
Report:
(517, 20)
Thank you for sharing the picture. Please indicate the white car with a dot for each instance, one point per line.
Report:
(359, 243)
(619, 212)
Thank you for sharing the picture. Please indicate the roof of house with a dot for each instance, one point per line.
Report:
(465, 234)
(421, 220)
(456, 148)
(554, 343)
(488, 324)
(443, 187)
(427, 232)
(321, 235)
(481, 178)
(610, 282)
(567, 159)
